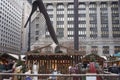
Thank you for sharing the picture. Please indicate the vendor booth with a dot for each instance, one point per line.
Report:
(93, 58)
(48, 60)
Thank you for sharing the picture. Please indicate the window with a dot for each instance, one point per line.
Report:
(105, 49)
(104, 20)
(37, 32)
(117, 49)
(36, 38)
(60, 32)
(115, 20)
(82, 5)
(37, 26)
(70, 14)
(94, 49)
(82, 49)
(70, 32)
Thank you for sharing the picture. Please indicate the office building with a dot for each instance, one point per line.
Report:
(10, 26)
(98, 22)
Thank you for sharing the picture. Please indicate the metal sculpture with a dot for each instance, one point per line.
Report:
(40, 5)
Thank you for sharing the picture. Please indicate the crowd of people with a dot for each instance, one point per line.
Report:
(112, 69)
(94, 67)
(12, 66)
(6, 66)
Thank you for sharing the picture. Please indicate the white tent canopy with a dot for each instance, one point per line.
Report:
(104, 57)
(17, 56)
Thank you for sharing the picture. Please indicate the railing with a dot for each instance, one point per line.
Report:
(63, 76)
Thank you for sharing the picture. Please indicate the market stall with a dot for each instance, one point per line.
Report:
(48, 60)
(93, 58)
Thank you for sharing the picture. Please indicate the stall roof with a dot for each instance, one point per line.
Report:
(12, 56)
(93, 57)
(69, 51)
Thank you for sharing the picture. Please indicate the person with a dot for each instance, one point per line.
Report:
(109, 68)
(115, 69)
(92, 67)
(28, 77)
(10, 65)
(35, 70)
(74, 70)
(2, 67)
(53, 77)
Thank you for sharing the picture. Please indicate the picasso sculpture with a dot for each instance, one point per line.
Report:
(39, 4)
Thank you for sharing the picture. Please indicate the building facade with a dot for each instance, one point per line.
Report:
(26, 6)
(98, 22)
(10, 26)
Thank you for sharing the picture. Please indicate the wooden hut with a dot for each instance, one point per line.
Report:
(113, 59)
(48, 60)
(93, 58)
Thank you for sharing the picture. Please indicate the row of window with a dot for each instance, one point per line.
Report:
(10, 26)
(105, 49)
(9, 49)
(115, 21)
(93, 18)
(82, 6)
(12, 10)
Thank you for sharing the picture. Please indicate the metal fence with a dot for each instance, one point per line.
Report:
(21, 76)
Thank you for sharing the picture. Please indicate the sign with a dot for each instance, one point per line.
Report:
(91, 77)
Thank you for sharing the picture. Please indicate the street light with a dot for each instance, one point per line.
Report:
(76, 36)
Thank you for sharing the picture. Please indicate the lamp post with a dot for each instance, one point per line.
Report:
(29, 34)
(76, 36)
(119, 10)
